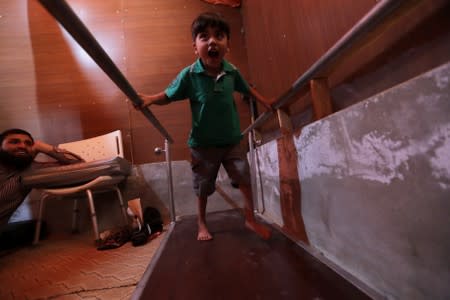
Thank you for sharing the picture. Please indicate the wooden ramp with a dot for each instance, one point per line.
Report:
(237, 264)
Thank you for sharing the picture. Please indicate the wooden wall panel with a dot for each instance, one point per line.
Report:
(49, 86)
(66, 96)
(285, 38)
(415, 42)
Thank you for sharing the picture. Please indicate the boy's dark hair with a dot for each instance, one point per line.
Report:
(7, 132)
(209, 19)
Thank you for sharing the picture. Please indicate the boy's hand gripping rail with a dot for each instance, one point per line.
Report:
(62, 12)
(376, 15)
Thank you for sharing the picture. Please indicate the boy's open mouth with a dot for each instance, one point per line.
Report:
(213, 53)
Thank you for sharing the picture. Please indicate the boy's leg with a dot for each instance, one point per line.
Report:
(205, 163)
(203, 233)
(238, 170)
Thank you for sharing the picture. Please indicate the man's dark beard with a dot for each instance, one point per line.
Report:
(18, 162)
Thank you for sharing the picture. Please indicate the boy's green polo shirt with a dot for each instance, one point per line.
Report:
(215, 120)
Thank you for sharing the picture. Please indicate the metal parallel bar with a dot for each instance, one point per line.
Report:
(62, 12)
(260, 120)
(170, 181)
(251, 143)
(377, 14)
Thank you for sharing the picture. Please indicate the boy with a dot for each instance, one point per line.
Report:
(215, 137)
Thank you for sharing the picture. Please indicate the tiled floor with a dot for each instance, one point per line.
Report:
(70, 267)
(67, 266)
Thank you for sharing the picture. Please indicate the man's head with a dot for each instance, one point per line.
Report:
(210, 34)
(16, 148)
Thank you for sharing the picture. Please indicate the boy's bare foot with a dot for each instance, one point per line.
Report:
(203, 233)
(260, 229)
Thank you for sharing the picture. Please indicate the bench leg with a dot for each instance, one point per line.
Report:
(39, 219)
(122, 206)
(75, 216)
(93, 214)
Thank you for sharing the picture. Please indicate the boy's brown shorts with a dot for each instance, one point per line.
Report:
(205, 164)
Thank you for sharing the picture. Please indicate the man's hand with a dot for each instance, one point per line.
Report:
(40, 146)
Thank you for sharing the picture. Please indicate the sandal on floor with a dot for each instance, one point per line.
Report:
(115, 240)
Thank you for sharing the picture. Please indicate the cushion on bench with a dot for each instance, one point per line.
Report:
(75, 174)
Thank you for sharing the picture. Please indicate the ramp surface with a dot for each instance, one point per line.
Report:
(237, 264)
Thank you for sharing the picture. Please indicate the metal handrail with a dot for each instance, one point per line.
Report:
(377, 14)
(166, 150)
(62, 12)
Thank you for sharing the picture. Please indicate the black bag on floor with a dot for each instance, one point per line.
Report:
(152, 217)
(139, 238)
(152, 226)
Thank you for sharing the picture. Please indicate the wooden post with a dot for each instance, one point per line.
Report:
(284, 121)
(290, 189)
(321, 99)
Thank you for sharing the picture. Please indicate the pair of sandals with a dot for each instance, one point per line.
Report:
(114, 239)
(118, 238)
(152, 228)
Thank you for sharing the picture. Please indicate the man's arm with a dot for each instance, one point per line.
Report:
(61, 155)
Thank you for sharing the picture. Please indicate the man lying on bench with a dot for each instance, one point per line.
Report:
(17, 152)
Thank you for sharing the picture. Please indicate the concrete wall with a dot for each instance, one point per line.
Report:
(375, 181)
